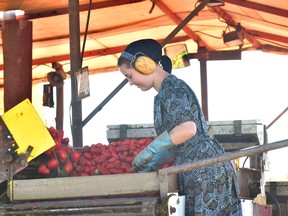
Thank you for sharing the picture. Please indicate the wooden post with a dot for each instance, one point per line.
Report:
(17, 52)
(75, 59)
(204, 88)
(59, 108)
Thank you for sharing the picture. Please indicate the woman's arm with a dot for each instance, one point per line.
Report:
(183, 132)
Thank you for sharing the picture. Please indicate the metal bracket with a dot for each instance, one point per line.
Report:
(123, 131)
(238, 127)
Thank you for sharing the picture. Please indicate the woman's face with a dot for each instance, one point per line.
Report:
(144, 82)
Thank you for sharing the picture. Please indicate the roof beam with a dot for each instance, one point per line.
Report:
(92, 53)
(178, 21)
(84, 7)
(268, 36)
(133, 26)
(250, 35)
(259, 7)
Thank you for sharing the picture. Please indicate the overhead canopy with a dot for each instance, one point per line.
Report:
(115, 23)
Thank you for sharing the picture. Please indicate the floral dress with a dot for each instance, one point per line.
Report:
(211, 190)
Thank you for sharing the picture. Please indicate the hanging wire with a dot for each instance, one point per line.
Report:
(210, 35)
(154, 2)
(41, 65)
(243, 166)
(86, 32)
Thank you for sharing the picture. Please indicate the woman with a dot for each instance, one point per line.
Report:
(182, 130)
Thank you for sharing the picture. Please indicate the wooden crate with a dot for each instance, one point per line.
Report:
(93, 186)
(132, 131)
(233, 135)
(238, 134)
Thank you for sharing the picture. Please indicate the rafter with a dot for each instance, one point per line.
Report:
(85, 7)
(91, 53)
(177, 20)
(259, 7)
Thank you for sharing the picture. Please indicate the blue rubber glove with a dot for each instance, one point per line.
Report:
(158, 161)
(162, 142)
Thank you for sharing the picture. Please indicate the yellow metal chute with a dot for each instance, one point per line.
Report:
(27, 129)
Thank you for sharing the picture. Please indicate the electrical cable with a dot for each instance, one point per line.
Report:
(243, 166)
(86, 31)
(209, 35)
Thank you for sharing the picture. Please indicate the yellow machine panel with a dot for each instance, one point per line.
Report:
(27, 129)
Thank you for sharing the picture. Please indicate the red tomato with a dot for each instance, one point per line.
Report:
(43, 169)
(89, 163)
(74, 173)
(84, 174)
(78, 168)
(96, 150)
(66, 148)
(61, 153)
(49, 152)
(53, 163)
(65, 141)
(57, 144)
(82, 161)
(112, 160)
(68, 167)
(116, 171)
(60, 134)
(127, 141)
(75, 156)
(86, 148)
(125, 166)
(117, 162)
(113, 144)
(99, 160)
(129, 159)
(142, 141)
(88, 155)
(106, 154)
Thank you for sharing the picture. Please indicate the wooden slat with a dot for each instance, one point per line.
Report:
(110, 206)
(87, 186)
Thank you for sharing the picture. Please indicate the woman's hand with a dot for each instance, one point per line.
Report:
(161, 143)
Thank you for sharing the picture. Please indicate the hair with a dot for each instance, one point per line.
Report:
(123, 61)
(166, 63)
(150, 48)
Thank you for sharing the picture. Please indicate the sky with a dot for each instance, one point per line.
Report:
(254, 88)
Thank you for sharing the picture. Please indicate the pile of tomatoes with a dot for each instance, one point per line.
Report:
(61, 157)
(96, 159)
